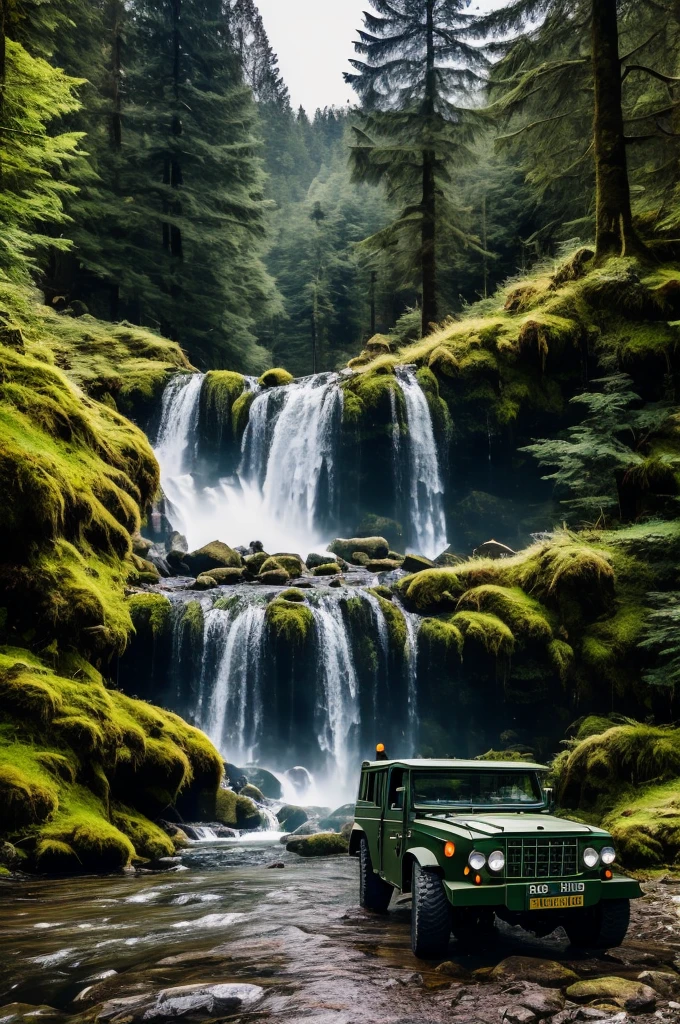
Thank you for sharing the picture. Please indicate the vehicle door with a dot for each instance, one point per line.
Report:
(369, 810)
(393, 826)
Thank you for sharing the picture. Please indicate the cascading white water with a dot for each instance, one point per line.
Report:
(339, 691)
(425, 487)
(176, 434)
(291, 451)
(413, 623)
(233, 656)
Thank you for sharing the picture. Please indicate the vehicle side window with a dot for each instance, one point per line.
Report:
(368, 787)
(380, 788)
(395, 801)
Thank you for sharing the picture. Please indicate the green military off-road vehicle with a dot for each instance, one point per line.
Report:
(476, 840)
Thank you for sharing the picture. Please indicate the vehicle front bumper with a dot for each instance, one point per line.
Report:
(513, 895)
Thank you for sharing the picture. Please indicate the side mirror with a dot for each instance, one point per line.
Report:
(549, 794)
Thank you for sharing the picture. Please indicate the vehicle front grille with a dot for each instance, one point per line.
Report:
(541, 858)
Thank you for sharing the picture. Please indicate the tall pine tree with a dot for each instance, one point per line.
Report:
(413, 131)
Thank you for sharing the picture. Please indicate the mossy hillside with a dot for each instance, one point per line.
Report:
(83, 768)
(368, 400)
(626, 777)
(75, 474)
(126, 363)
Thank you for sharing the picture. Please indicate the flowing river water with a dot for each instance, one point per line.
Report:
(294, 935)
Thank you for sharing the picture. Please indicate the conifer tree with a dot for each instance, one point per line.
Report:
(412, 131)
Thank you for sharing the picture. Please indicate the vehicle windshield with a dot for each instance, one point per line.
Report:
(475, 789)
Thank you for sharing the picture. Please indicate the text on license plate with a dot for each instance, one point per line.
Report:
(554, 902)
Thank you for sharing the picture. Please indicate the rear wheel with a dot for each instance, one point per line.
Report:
(374, 893)
(602, 927)
(430, 915)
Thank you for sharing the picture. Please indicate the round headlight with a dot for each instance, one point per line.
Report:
(591, 857)
(496, 860)
(476, 860)
(608, 855)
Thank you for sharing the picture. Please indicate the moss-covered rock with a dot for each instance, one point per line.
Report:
(215, 555)
(382, 565)
(255, 561)
(291, 817)
(293, 564)
(151, 613)
(327, 569)
(374, 547)
(275, 378)
(225, 577)
(240, 412)
(381, 526)
(204, 582)
(290, 620)
(236, 811)
(630, 995)
(274, 577)
(293, 595)
(323, 844)
(252, 792)
(416, 563)
(73, 754)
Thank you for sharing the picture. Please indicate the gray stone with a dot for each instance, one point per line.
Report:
(189, 1002)
(493, 549)
(667, 984)
(517, 1015)
(544, 1002)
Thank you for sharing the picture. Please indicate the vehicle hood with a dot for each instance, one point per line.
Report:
(492, 825)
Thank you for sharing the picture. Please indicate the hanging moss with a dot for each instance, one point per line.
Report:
(524, 615)
(396, 623)
(221, 389)
(561, 656)
(152, 613)
(368, 397)
(275, 378)
(486, 630)
(290, 620)
(442, 636)
(240, 411)
(192, 622)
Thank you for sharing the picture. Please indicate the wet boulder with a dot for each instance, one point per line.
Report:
(329, 569)
(225, 577)
(177, 542)
(253, 793)
(183, 1002)
(273, 577)
(339, 817)
(293, 564)
(374, 547)
(314, 560)
(548, 973)
(255, 561)
(416, 563)
(323, 844)
(493, 549)
(382, 565)
(265, 781)
(291, 817)
(275, 378)
(204, 582)
(215, 555)
(633, 996)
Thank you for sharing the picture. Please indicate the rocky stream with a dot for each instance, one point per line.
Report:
(244, 931)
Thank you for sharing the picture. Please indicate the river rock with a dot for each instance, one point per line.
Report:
(416, 563)
(453, 970)
(314, 560)
(548, 973)
(276, 864)
(327, 569)
(273, 577)
(667, 984)
(493, 549)
(323, 844)
(14, 1013)
(255, 561)
(517, 1015)
(291, 817)
(225, 577)
(374, 547)
(339, 817)
(204, 582)
(177, 542)
(215, 555)
(543, 1002)
(382, 565)
(630, 995)
(140, 545)
(185, 1002)
(253, 793)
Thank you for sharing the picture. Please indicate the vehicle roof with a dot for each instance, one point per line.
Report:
(454, 762)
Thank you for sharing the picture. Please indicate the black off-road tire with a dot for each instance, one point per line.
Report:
(430, 915)
(604, 927)
(374, 893)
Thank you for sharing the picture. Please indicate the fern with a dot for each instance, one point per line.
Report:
(662, 640)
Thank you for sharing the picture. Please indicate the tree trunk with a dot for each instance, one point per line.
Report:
(429, 203)
(615, 234)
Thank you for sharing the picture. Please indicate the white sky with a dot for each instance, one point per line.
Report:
(313, 40)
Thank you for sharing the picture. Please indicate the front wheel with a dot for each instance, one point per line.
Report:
(430, 915)
(602, 927)
(374, 893)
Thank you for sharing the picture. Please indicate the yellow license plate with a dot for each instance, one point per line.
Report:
(555, 902)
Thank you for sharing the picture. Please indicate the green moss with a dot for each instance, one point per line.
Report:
(396, 623)
(255, 562)
(236, 811)
(290, 620)
(275, 378)
(561, 656)
(252, 793)
(81, 825)
(645, 825)
(240, 411)
(368, 397)
(215, 555)
(221, 389)
(486, 630)
(293, 595)
(192, 622)
(152, 613)
(502, 755)
(373, 547)
(524, 615)
(442, 636)
(147, 838)
(328, 569)
(293, 564)
(323, 844)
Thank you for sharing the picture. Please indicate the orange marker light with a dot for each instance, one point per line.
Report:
(608, 874)
(478, 879)
(449, 849)
(380, 748)
(466, 870)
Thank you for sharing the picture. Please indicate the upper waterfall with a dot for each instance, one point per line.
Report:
(291, 481)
